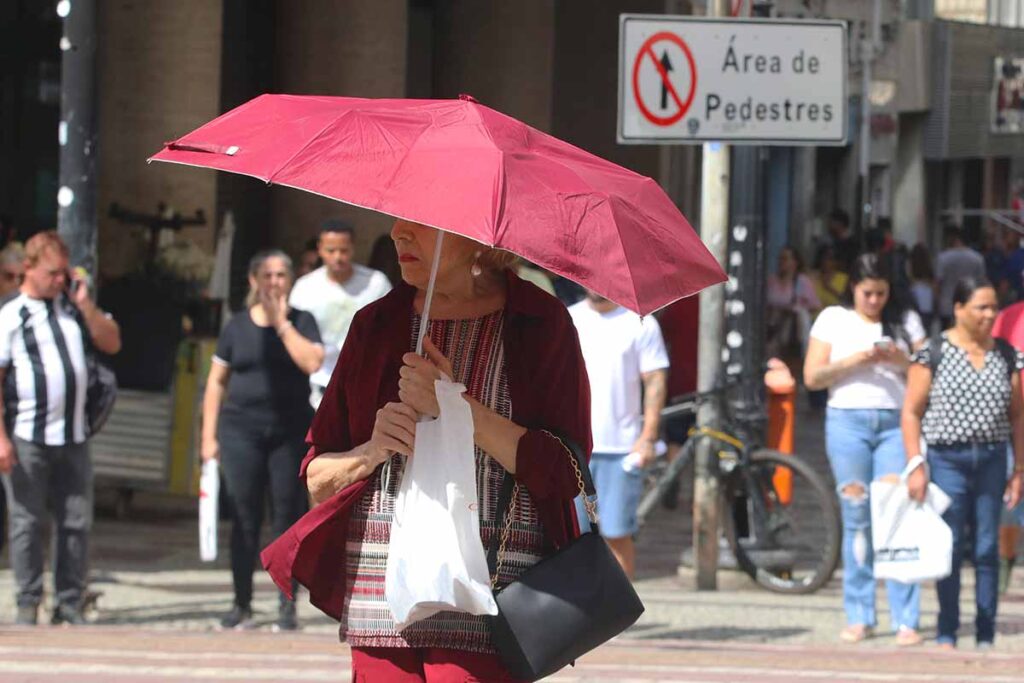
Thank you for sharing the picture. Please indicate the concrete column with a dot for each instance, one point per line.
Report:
(159, 76)
(988, 191)
(335, 47)
(502, 53)
(954, 185)
(777, 208)
(847, 197)
(802, 192)
(586, 74)
(909, 199)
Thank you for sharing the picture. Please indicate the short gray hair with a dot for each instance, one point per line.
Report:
(257, 261)
(12, 254)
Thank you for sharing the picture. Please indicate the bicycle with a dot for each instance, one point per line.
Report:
(780, 518)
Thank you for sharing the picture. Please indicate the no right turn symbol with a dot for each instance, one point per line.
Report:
(664, 78)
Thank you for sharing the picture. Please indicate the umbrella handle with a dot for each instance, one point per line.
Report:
(425, 318)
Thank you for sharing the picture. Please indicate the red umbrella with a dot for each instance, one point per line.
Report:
(462, 167)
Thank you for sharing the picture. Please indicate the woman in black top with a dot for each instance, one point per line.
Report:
(964, 396)
(255, 415)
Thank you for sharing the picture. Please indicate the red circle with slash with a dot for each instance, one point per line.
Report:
(647, 51)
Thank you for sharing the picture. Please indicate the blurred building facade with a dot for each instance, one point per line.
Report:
(937, 141)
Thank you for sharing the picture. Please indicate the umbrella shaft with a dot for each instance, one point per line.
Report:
(425, 318)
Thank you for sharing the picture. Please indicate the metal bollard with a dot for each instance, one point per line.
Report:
(781, 389)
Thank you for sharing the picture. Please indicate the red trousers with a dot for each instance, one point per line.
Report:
(426, 665)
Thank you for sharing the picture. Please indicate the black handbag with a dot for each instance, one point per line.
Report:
(565, 605)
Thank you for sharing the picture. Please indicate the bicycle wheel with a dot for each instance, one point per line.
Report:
(663, 482)
(782, 521)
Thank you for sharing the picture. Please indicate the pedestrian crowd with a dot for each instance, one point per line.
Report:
(920, 373)
(903, 351)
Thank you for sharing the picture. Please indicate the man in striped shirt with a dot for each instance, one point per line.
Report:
(44, 457)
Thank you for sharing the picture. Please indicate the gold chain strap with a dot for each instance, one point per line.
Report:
(506, 530)
(590, 505)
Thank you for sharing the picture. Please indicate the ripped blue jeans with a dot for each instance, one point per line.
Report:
(862, 446)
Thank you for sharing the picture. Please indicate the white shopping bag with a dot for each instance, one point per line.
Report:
(912, 543)
(436, 558)
(209, 494)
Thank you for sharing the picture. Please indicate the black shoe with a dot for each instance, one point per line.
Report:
(28, 615)
(238, 617)
(67, 614)
(286, 619)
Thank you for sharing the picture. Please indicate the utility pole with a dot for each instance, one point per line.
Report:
(869, 46)
(714, 230)
(76, 199)
(745, 300)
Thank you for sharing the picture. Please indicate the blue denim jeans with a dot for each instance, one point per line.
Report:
(974, 476)
(862, 446)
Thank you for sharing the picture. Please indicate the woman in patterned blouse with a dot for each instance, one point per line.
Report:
(516, 351)
(969, 411)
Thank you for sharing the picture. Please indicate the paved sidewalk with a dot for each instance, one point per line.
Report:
(160, 605)
(104, 654)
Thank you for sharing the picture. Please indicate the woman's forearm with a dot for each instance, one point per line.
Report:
(1017, 423)
(307, 355)
(910, 425)
(1018, 444)
(329, 473)
(212, 399)
(826, 375)
(496, 435)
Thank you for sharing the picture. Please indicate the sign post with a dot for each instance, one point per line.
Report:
(717, 81)
(77, 133)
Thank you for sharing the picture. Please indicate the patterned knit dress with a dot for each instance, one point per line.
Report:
(477, 354)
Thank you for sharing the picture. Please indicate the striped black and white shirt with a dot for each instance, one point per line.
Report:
(42, 349)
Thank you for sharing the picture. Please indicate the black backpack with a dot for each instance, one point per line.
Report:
(100, 390)
(1005, 349)
(101, 382)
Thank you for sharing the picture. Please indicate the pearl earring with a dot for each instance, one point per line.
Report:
(475, 270)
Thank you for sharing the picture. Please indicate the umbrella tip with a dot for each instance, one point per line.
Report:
(468, 98)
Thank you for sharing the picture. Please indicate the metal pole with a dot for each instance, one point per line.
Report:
(714, 229)
(869, 48)
(76, 199)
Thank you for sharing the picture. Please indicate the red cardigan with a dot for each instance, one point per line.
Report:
(548, 387)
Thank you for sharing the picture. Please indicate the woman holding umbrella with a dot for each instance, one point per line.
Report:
(516, 350)
(485, 179)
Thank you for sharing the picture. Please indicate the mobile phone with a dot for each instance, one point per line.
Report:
(884, 343)
(73, 282)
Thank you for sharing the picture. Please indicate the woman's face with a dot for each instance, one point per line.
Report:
(870, 297)
(978, 314)
(272, 279)
(787, 263)
(415, 243)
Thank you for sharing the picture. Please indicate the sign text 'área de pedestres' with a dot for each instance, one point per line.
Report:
(757, 81)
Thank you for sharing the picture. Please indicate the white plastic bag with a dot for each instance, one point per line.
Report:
(912, 543)
(436, 558)
(209, 495)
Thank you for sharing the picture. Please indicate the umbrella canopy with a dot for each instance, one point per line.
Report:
(462, 167)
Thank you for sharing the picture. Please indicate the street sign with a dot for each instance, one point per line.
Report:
(688, 80)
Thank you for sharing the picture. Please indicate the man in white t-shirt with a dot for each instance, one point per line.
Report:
(628, 369)
(333, 293)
